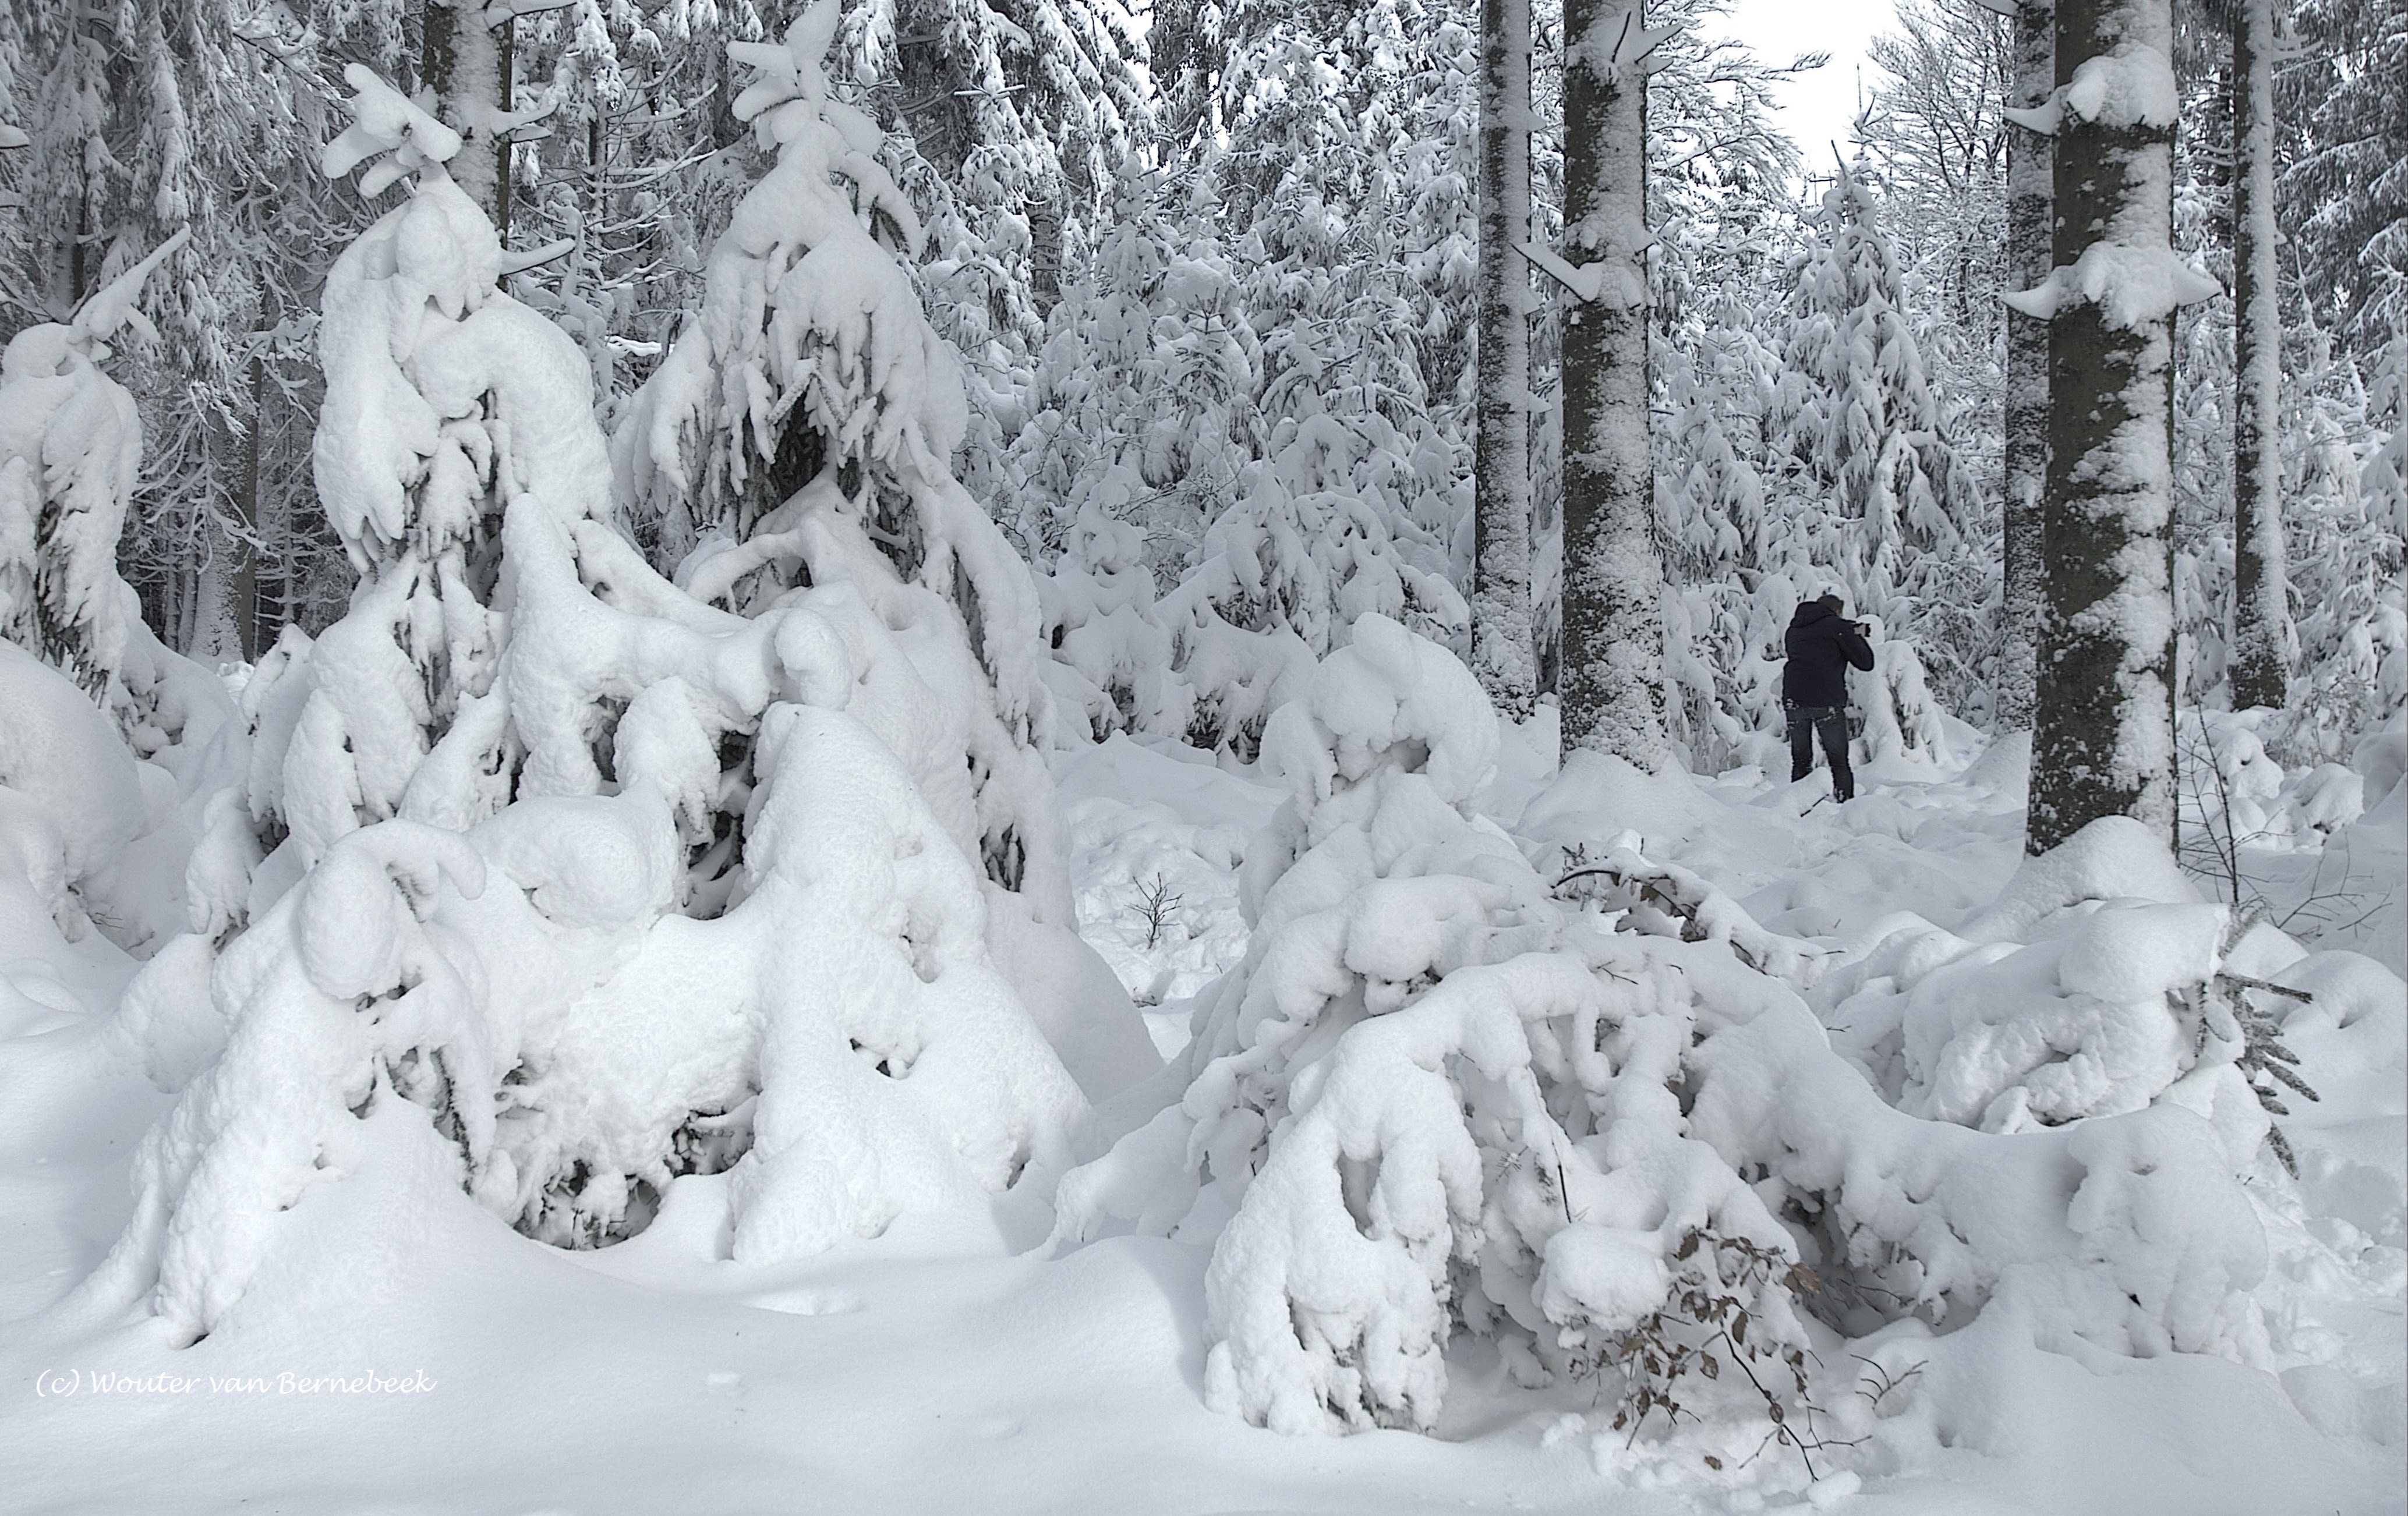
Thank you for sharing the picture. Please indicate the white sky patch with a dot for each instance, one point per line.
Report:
(1816, 108)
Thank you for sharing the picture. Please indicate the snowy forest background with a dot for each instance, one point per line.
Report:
(1157, 252)
(727, 634)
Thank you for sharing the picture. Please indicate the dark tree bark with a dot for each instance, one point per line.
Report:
(1613, 679)
(1503, 652)
(2103, 738)
(2029, 157)
(2264, 644)
(466, 64)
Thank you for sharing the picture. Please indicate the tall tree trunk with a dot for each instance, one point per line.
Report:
(2029, 156)
(461, 60)
(1503, 652)
(1045, 253)
(1612, 683)
(226, 592)
(2265, 646)
(246, 582)
(505, 47)
(2103, 738)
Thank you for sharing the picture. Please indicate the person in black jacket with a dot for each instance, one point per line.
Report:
(1822, 642)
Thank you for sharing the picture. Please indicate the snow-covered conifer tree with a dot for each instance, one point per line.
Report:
(2346, 489)
(1148, 379)
(1347, 182)
(1345, 191)
(1289, 568)
(2345, 187)
(1857, 409)
(70, 449)
(800, 432)
(1042, 102)
(1723, 695)
(578, 995)
(1718, 177)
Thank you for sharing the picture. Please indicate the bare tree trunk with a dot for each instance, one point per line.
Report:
(1503, 652)
(1613, 681)
(2103, 738)
(461, 62)
(2029, 158)
(246, 582)
(505, 47)
(2264, 645)
(227, 591)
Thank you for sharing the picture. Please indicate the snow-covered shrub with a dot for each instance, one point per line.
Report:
(1143, 403)
(2080, 993)
(1284, 575)
(1902, 718)
(1439, 1097)
(1393, 1110)
(1113, 657)
(71, 799)
(1722, 669)
(543, 927)
(70, 452)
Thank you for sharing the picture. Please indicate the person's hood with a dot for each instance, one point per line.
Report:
(1810, 612)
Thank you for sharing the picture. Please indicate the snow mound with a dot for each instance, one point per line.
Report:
(61, 757)
(1441, 1097)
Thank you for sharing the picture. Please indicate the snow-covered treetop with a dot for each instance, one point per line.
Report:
(386, 122)
(790, 97)
(1387, 700)
(809, 322)
(70, 452)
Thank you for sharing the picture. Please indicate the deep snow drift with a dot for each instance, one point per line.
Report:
(1999, 1290)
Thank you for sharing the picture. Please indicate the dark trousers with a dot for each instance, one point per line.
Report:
(1829, 723)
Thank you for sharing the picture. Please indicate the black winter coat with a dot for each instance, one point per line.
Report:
(1821, 646)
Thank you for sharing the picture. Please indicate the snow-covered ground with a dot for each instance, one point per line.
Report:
(413, 1354)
